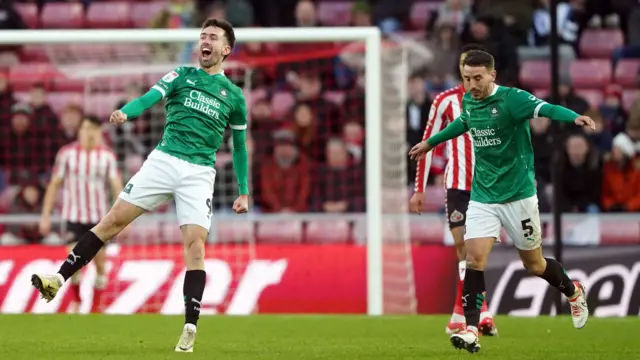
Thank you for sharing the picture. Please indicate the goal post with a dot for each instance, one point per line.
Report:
(374, 129)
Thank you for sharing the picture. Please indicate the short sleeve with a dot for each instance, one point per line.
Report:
(60, 167)
(238, 116)
(168, 83)
(522, 105)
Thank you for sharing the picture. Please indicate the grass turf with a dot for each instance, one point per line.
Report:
(140, 337)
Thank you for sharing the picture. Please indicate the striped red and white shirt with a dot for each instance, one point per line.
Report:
(446, 107)
(85, 174)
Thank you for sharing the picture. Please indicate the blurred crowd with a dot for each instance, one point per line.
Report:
(306, 101)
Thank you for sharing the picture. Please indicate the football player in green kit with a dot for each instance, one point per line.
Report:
(503, 191)
(200, 103)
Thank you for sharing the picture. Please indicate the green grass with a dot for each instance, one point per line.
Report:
(140, 337)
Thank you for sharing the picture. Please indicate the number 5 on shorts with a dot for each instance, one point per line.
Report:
(527, 228)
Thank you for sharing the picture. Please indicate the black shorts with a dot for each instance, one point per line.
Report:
(456, 204)
(74, 231)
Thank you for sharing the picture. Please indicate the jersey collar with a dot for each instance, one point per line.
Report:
(495, 89)
(221, 73)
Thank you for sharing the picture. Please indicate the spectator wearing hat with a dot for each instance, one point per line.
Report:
(621, 177)
(285, 177)
(612, 111)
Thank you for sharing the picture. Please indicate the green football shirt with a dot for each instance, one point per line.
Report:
(199, 107)
(499, 126)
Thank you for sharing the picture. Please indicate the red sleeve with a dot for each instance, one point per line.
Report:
(436, 123)
(634, 202)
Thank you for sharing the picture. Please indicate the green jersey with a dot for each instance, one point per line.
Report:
(199, 106)
(499, 126)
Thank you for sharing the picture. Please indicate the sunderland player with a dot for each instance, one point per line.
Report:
(200, 103)
(503, 190)
(83, 168)
(458, 174)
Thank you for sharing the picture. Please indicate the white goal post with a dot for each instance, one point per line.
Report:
(369, 35)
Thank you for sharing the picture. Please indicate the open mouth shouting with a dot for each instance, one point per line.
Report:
(205, 52)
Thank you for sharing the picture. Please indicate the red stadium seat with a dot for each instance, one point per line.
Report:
(335, 13)
(58, 100)
(78, 53)
(102, 104)
(629, 97)
(62, 15)
(535, 74)
(328, 231)
(281, 103)
(68, 84)
(116, 82)
(22, 76)
(142, 13)
(132, 53)
(29, 14)
(235, 231)
(593, 97)
(108, 15)
(420, 13)
(600, 43)
(541, 93)
(627, 73)
(279, 232)
(592, 74)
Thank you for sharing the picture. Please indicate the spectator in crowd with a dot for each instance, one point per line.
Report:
(445, 45)
(21, 146)
(285, 178)
(567, 24)
(454, 13)
(353, 137)
(493, 35)
(417, 114)
(354, 100)
(6, 100)
(621, 177)
(27, 201)
(178, 14)
(43, 115)
(542, 141)
(361, 14)
(601, 137)
(311, 137)
(137, 137)
(339, 185)
(513, 17)
(70, 119)
(582, 176)
(263, 124)
(569, 99)
(305, 14)
(612, 110)
(311, 93)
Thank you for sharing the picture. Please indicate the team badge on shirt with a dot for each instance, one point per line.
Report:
(223, 92)
(170, 76)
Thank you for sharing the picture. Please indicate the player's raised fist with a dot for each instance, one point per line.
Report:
(586, 122)
(241, 205)
(415, 204)
(117, 117)
(419, 150)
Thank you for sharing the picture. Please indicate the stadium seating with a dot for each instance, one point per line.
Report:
(29, 14)
(62, 15)
(142, 13)
(535, 74)
(629, 97)
(105, 15)
(593, 97)
(235, 231)
(23, 76)
(619, 232)
(600, 43)
(421, 13)
(58, 100)
(279, 232)
(591, 74)
(327, 231)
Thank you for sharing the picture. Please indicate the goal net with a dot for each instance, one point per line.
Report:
(328, 164)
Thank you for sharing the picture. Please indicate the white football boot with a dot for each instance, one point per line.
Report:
(187, 339)
(579, 309)
(466, 339)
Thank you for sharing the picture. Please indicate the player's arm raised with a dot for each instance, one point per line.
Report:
(524, 106)
(135, 107)
(238, 124)
(49, 201)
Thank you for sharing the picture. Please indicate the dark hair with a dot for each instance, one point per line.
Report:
(470, 47)
(477, 58)
(224, 25)
(93, 120)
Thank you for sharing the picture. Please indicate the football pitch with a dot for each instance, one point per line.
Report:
(139, 337)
